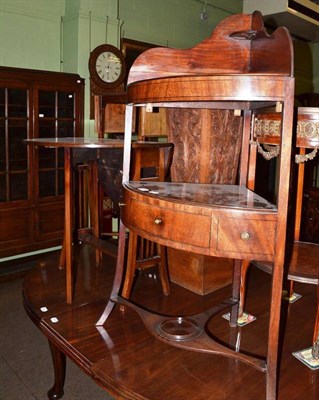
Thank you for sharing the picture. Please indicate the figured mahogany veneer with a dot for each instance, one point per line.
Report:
(191, 89)
(202, 219)
(205, 132)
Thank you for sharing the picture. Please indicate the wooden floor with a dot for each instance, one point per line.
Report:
(129, 363)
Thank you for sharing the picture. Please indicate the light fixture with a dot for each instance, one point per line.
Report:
(203, 14)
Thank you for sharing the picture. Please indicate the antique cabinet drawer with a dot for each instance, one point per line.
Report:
(173, 225)
(246, 236)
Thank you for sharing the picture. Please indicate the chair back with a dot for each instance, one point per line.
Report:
(151, 160)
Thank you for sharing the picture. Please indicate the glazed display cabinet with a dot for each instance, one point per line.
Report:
(34, 104)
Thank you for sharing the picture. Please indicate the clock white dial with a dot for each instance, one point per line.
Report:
(108, 67)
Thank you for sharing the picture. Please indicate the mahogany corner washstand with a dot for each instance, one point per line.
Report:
(242, 68)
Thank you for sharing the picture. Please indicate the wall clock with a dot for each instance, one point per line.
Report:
(107, 69)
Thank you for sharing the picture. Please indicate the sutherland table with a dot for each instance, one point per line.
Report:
(70, 145)
(109, 152)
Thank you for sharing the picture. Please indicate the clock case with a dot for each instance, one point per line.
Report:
(98, 86)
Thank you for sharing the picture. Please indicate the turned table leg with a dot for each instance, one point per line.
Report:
(59, 363)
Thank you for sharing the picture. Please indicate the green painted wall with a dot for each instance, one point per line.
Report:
(58, 35)
(30, 33)
(174, 23)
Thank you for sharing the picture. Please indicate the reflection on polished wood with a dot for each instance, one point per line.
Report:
(130, 363)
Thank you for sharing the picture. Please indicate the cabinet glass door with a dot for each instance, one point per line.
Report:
(56, 119)
(14, 128)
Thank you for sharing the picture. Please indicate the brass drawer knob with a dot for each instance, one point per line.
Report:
(245, 236)
(157, 221)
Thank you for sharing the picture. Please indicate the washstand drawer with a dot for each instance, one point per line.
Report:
(173, 225)
(246, 236)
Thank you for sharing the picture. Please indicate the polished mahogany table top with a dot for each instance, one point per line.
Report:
(76, 142)
(87, 143)
(131, 364)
